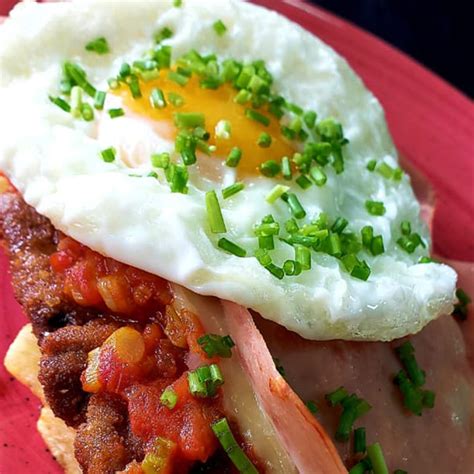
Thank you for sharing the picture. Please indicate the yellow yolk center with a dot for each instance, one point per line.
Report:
(216, 105)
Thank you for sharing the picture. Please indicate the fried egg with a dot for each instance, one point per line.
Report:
(354, 287)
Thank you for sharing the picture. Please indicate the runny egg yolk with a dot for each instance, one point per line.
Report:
(216, 105)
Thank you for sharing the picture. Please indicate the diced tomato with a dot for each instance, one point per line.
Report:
(104, 283)
(188, 424)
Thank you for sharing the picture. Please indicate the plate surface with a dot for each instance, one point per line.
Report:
(432, 125)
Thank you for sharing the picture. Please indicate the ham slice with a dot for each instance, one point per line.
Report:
(304, 439)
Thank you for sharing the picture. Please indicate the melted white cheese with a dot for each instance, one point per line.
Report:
(54, 162)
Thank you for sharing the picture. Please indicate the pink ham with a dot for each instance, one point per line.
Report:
(300, 433)
(440, 441)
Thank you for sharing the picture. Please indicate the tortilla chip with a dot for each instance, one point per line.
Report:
(60, 440)
(22, 361)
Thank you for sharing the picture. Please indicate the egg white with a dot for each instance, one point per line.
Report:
(54, 161)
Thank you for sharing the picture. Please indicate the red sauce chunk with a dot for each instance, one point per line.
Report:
(96, 281)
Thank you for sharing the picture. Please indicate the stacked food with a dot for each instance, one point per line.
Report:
(197, 193)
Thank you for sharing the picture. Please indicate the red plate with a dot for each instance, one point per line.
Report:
(432, 126)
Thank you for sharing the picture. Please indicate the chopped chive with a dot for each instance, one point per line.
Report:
(177, 3)
(160, 160)
(371, 165)
(310, 119)
(125, 70)
(336, 397)
(376, 246)
(286, 168)
(215, 345)
(361, 271)
(177, 177)
(318, 175)
(99, 100)
(184, 71)
(296, 125)
(329, 130)
(397, 174)
(214, 213)
(287, 132)
(157, 99)
(385, 170)
(175, 99)
(263, 257)
(108, 155)
(375, 454)
(405, 227)
(61, 103)
(312, 407)
(292, 268)
(303, 182)
(257, 117)
(361, 467)
(275, 271)
(425, 260)
(189, 119)
(353, 408)
(76, 101)
(293, 108)
(87, 112)
(406, 353)
(205, 380)
(276, 193)
(375, 208)
(411, 242)
(134, 87)
(196, 387)
(240, 460)
(266, 229)
(412, 396)
(264, 140)
(77, 75)
(162, 35)
(359, 440)
(242, 97)
(99, 46)
(266, 242)
(294, 204)
(339, 225)
(234, 157)
(232, 189)
(367, 233)
(169, 398)
(270, 168)
(232, 248)
(223, 129)
(303, 256)
(115, 113)
(178, 78)
(219, 28)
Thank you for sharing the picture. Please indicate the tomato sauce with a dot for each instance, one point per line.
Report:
(103, 283)
(145, 357)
